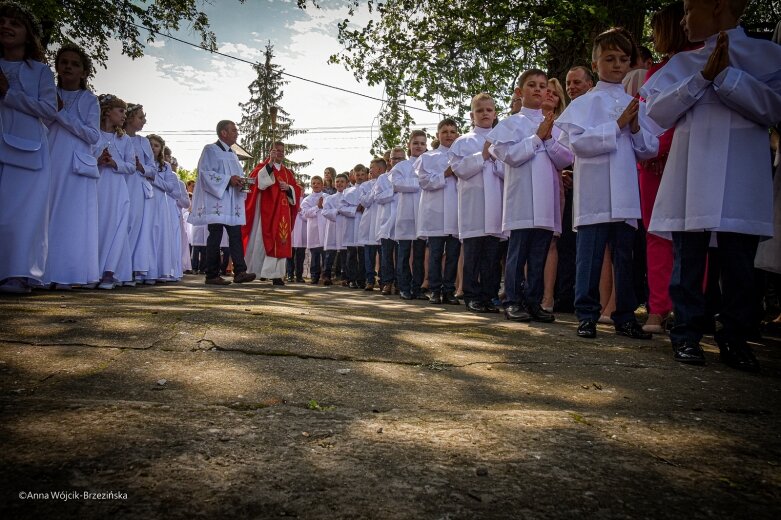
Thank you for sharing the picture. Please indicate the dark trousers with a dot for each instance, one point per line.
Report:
(235, 247)
(315, 263)
(481, 277)
(735, 254)
(330, 258)
(410, 280)
(443, 279)
(387, 253)
(294, 266)
(528, 248)
(591, 243)
(198, 259)
(355, 265)
(369, 259)
(565, 271)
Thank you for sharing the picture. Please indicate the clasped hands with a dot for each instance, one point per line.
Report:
(719, 58)
(629, 116)
(105, 159)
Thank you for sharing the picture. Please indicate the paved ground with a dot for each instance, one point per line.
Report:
(314, 402)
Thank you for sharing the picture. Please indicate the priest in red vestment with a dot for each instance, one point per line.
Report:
(271, 209)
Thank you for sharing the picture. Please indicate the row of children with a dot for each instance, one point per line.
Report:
(85, 200)
(502, 181)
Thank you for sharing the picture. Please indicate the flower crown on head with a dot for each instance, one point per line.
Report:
(34, 22)
(132, 107)
(105, 98)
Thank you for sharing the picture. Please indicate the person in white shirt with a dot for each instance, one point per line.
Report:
(334, 226)
(386, 199)
(438, 215)
(529, 146)
(350, 205)
(312, 212)
(407, 187)
(219, 203)
(717, 182)
(480, 184)
(367, 227)
(608, 132)
(295, 264)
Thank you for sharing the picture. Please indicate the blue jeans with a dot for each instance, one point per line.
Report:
(315, 263)
(735, 254)
(369, 257)
(481, 276)
(387, 270)
(330, 258)
(409, 281)
(591, 242)
(443, 279)
(527, 248)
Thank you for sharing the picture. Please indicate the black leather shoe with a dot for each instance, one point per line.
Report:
(405, 295)
(587, 329)
(739, 355)
(299, 280)
(314, 282)
(490, 307)
(290, 279)
(435, 298)
(688, 352)
(353, 285)
(476, 306)
(516, 313)
(450, 299)
(278, 281)
(537, 313)
(419, 296)
(632, 329)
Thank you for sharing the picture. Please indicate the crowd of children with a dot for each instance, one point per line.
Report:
(687, 157)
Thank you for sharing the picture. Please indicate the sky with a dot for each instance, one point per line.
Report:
(185, 91)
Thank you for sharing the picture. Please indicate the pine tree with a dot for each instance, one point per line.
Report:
(257, 134)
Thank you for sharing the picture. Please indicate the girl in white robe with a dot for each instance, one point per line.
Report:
(116, 160)
(27, 98)
(164, 235)
(73, 134)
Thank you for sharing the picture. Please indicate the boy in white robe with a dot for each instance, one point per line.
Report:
(351, 201)
(717, 182)
(334, 226)
(608, 132)
(528, 144)
(438, 215)
(219, 203)
(386, 200)
(367, 228)
(480, 177)
(407, 186)
(312, 212)
(295, 264)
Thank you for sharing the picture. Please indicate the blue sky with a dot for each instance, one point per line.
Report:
(185, 91)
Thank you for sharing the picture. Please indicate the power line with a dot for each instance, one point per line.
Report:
(191, 44)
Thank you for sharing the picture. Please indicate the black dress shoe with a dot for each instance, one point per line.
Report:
(490, 307)
(353, 285)
(688, 352)
(632, 329)
(278, 281)
(419, 296)
(435, 298)
(537, 313)
(290, 279)
(587, 329)
(476, 306)
(314, 282)
(739, 355)
(405, 295)
(450, 299)
(516, 312)
(299, 280)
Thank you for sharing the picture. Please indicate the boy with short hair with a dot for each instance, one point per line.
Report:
(528, 144)
(367, 228)
(311, 211)
(438, 215)
(386, 199)
(407, 186)
(608, 133)
(717, 182)
(349, 208)
(335, 225)
(480, 184)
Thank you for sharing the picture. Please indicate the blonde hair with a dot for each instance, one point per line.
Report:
(555, 85)
(109, 102)
(482, 96)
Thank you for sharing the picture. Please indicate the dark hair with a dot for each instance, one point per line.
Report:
(586, 72)
(669, 36)
(360, 168)
(380, 161)
(86, 62)
(343, 176)
(159, 158)
(616, 38)
(644, 53)
(33, 49)
(447, 122)
(528, 73)
(222, 125)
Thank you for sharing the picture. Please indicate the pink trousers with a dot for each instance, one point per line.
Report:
(659, 251)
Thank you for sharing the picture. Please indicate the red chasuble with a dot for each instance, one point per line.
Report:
(277, 215)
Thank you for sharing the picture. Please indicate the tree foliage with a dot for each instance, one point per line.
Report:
(258, 133)
(441, 52)
(92, 24)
